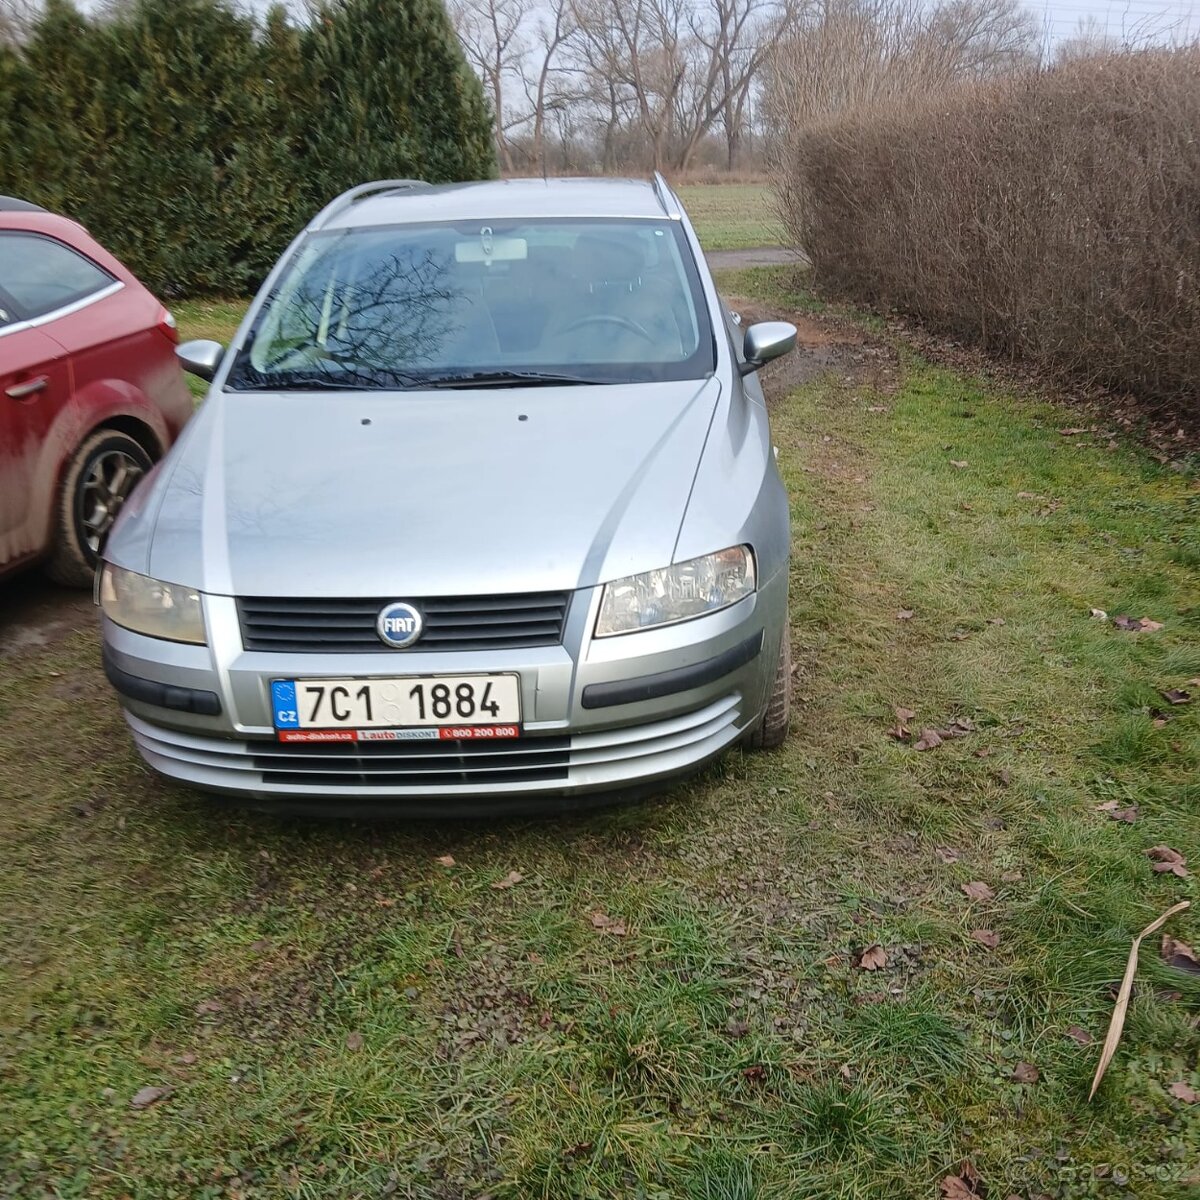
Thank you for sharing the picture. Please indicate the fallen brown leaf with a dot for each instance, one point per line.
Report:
(1182, 1090)
(958, 463)
(1098, 614)
(903, 715)
(148, 1096)
(1165, 859)
(755, 1074)
(900, 732)
(1127, 815)
(983, 752)
(354, 1041)
(512, 878)
(995, 621)
(1011, 877)
(607, 924)
(1113, 1037)
(1080, 1035)
(1025, 1072)
(1172, 868)
(946, 854)
(985, 937)
(977, 890)
(928, 740)
(1179, 955)
(905, 614)
(1177, 696)
(445, 860)
(964, 1185)
(873, 958)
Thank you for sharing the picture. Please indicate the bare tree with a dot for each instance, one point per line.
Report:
(844, 53)
(660, 82)
(489, 31)
(629, 49)
(677, 67)
(975, 39)
(731, 41)
(543, 75)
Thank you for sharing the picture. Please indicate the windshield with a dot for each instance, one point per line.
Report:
(477, 304)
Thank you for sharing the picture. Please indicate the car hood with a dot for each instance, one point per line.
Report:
(425, 494)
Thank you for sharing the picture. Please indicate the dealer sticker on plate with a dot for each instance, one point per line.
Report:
(415, 708)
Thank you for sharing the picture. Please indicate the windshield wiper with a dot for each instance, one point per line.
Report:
(293, 381)
(483, 379)
(306, 385)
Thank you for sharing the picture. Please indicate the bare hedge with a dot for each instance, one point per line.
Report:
(1053, 216)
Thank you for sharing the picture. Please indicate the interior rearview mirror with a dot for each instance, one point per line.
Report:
(765, 341)
(201, 357)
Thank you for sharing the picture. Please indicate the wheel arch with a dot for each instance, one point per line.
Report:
(141, 432)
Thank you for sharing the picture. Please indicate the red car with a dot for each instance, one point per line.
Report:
(92, 393)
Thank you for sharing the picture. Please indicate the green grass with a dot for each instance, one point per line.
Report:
(216, 320)
(732, 216)
(728, 1047)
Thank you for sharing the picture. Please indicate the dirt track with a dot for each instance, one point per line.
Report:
(760, 256)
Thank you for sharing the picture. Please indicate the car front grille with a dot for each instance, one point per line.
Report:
(319, 626)
(534, 763)
(414, 764)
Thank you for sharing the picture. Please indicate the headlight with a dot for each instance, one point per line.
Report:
(161, 610)
(688, 589)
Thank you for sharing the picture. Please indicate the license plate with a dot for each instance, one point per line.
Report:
(417, 707)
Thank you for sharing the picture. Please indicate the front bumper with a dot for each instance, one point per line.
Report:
(600, 715)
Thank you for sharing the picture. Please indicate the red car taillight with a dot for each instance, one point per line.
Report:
(168, 327)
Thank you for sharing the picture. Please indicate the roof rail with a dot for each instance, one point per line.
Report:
(666, 197)
(357, 193)
(13, 204)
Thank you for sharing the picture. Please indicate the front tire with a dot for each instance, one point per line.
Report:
(772, 731)
(99, 479)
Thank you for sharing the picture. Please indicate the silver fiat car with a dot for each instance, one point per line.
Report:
(480, 514)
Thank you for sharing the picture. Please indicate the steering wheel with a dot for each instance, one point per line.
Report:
(609, 319)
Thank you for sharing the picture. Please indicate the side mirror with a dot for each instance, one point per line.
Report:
(201, 357)
(765, 341)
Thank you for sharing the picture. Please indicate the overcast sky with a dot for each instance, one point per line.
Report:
(1132, 20)
(1127, 19)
